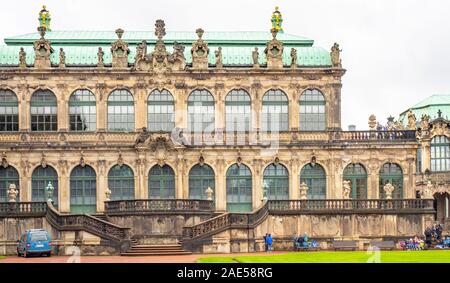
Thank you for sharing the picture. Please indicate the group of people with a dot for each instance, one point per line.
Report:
(303, 242)
(414, 244)
(268, 242)
(434, 232)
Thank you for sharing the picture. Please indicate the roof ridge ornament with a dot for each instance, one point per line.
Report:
(277, 20)
(160, 30)
(43, 50)
(120, 51)
(200, 52)
(274, 52)
(45, 18)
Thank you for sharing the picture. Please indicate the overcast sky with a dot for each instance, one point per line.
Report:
(396, 52)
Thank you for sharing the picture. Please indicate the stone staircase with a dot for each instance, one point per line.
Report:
(155, 250)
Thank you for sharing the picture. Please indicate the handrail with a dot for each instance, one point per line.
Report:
(158, 205)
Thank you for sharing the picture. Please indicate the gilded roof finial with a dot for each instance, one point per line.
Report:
(277, 20)
(45, 18)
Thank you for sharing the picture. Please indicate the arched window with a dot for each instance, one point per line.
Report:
(238, 109)
(239, 189)
(275, 111)
(40, 179)
(201, 111)
(44, 111)
(83, 190)
(314, 177)
(391, 173)
(357, 175)
(9, 111)
(161, 109)
(82, 111)
(161, 182)
(121, 111)
(440, 154)
(312, 111)
(200, 179)
(8, 176)
(121, 182)
(276, 182)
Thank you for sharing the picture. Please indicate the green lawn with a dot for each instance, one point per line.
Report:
(2, 257)
(434, 256)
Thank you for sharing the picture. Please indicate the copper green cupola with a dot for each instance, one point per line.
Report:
(45, 18)
(277, 21)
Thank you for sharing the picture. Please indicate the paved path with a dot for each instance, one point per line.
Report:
(120, 259)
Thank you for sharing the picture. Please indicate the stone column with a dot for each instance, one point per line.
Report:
(294, 183)
(140, 106)
(63, 108)
(102, 109)
(256, 105)
(185, 181)
(24, 108)
(181, 107)
(220, 191)
(102, 184)
(179, 178)
(220, 107)
(333, 110)
(257, 193)
(426, 155)
(25, 183)
(294, 109)
(63, 186)
(372, 183)
(337, 172)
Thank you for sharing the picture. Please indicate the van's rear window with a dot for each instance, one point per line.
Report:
(39, 237)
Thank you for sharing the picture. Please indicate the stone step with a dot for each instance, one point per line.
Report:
(157, 253)
(156, 250)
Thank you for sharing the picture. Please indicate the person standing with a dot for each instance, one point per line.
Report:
(265, 242)
(428, 236)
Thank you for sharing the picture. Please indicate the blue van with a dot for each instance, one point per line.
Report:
(36, 242)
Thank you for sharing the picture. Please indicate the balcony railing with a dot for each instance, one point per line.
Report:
(158, 205)
(23, 209)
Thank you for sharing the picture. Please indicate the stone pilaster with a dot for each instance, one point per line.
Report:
(102, 184)
(102, 109)
(140, 106)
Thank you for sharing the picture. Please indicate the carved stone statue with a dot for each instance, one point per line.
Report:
(412, 121)
(120, 51)
(294, 58)
(108, 194)
(177, 58)
(336, 56)
(255, 57)
(398, 126)
(388, 189)
(425, 122)
(427, 192)
(141, 51)
(62, 58)
(274, 52)
(200, 52)
(22, 58)
(372, 122)
(100, 55)
(49, 190)
(42, 50)
(209, 193)
(12, 193)
(346, 189)
(218, 54)
(303, 191)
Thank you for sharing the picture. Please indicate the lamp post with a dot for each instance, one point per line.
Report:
(50, 189)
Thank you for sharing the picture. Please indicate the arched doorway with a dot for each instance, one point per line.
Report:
(239, 188)
(83, 190)
(161, 182)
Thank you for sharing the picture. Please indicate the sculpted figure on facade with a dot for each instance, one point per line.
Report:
(12, 193)
(425, 122)
(335, 54)
(372, 122)
(274, 52)
(4, 160)
(303, 191)
(100, 56)
(209, 194)
(388, 190)
(141, 52)
(346, 189)
(200, 52)
(255, 57)
(108, 194)
(218, 54)
(42, 50)
(412, 121)
(22, 58)
(177, 58)
(62, 58)
(440, 128)
(427, 192)
(120, 51)
(294, 59)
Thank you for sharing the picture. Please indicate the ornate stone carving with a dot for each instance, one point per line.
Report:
(412, 121)
(120, 160)
(108, 194)
(201, 160)
(335, 54)
(218, 54)
(120, 51)
(255, 57)
(346, 189)
(274, 52)
(62, 58)
(425, 122)
(12, 193)
(440, 128)
(100, 56)
(372, 122)
(22, 58)
(304, 191)
(200, 52)
(177, 58)
(43, 160)
(388, 189)
(82, 161)
(42, 50)
(4, 160)
(209, 194)
(427, 192)
(294, 59)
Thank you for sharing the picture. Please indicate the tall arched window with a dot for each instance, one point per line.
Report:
(276, 182)
(200, 179)
(357, 175)
(161, 182)
(8, 175)
(275, 111)
(83, 190)
(161, 109)
(40, 179)
(239, 189)
(44, 111)
(9, 111)
(201, 111)
(313, 175)
(121, 182)
(312, 111)
(82, 111)
(238, 109)
(391, 173)
(121, 111)
(440, 154)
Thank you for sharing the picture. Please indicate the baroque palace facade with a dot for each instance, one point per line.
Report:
(241, 113)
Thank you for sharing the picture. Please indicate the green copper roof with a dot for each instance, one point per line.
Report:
(81, 47)
(430, 106)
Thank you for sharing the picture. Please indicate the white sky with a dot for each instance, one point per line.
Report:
(396, 52)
